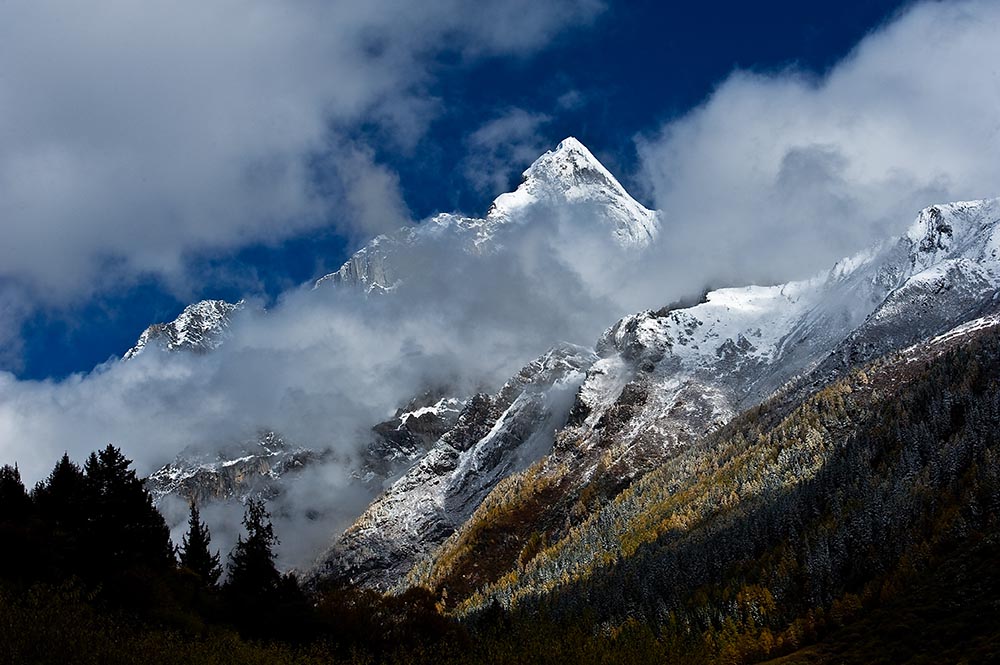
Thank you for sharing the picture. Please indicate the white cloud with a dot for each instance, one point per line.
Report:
(571, 100)
(132, 134)
(510, 141)
(778, 175)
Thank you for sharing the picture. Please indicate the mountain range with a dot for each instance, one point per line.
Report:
(604, 476)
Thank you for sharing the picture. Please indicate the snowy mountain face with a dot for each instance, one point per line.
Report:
(665, 379)
(404, 439)
(570, 176)
(262, 467)
(201, 327)
(251, 470)
(684, 370)
(945, 269)
(494, 437)
(587, 423)
(567, 178)
(661, 380)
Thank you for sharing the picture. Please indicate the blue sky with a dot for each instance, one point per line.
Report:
(605, 74)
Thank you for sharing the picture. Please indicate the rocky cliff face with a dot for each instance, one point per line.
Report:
(253, 469)
(200, 328)
(494, 437)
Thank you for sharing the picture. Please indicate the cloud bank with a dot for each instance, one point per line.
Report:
(134, 135)
(781, 174)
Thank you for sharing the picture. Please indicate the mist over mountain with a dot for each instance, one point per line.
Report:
(739, 408)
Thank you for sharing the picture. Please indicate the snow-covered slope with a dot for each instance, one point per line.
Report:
(571, 175)
(260, 467)
(495, 436)
(404, 439)
(697, 366)
(199, 328)
(567, 179)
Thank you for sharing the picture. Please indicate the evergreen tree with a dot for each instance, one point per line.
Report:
(63, 505)
(124, 527)
(61, 498)
(252, 571)
(15, 504)
(195, 554)
(19, 547)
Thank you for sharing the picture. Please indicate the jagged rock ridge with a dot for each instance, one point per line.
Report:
(200, 328)
(495, 436)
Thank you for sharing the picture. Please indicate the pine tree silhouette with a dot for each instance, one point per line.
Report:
(124, 528)
(252, 572)
(195, 554)
(19, 547)
(61, 498)
(15, 504)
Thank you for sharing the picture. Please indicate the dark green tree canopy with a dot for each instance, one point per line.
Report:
(125, 528)
(62, 496)
(251, 563)
(15, 504)
(195, 553)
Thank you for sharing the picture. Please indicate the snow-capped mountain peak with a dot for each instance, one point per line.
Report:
(965, 229)
(571, 174)
(568, 180)
(200, 327)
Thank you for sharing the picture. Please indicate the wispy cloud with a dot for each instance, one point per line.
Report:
(777, 175)
(508, 142)
(134, 135)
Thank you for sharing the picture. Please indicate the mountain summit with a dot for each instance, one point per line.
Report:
(565, 183)
(571, 174)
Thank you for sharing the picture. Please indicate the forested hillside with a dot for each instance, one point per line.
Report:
(789, 522)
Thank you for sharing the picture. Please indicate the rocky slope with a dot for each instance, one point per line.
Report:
(200, 328)
(253, 469)
(666, 379)
(261, 467)
(495, 436)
